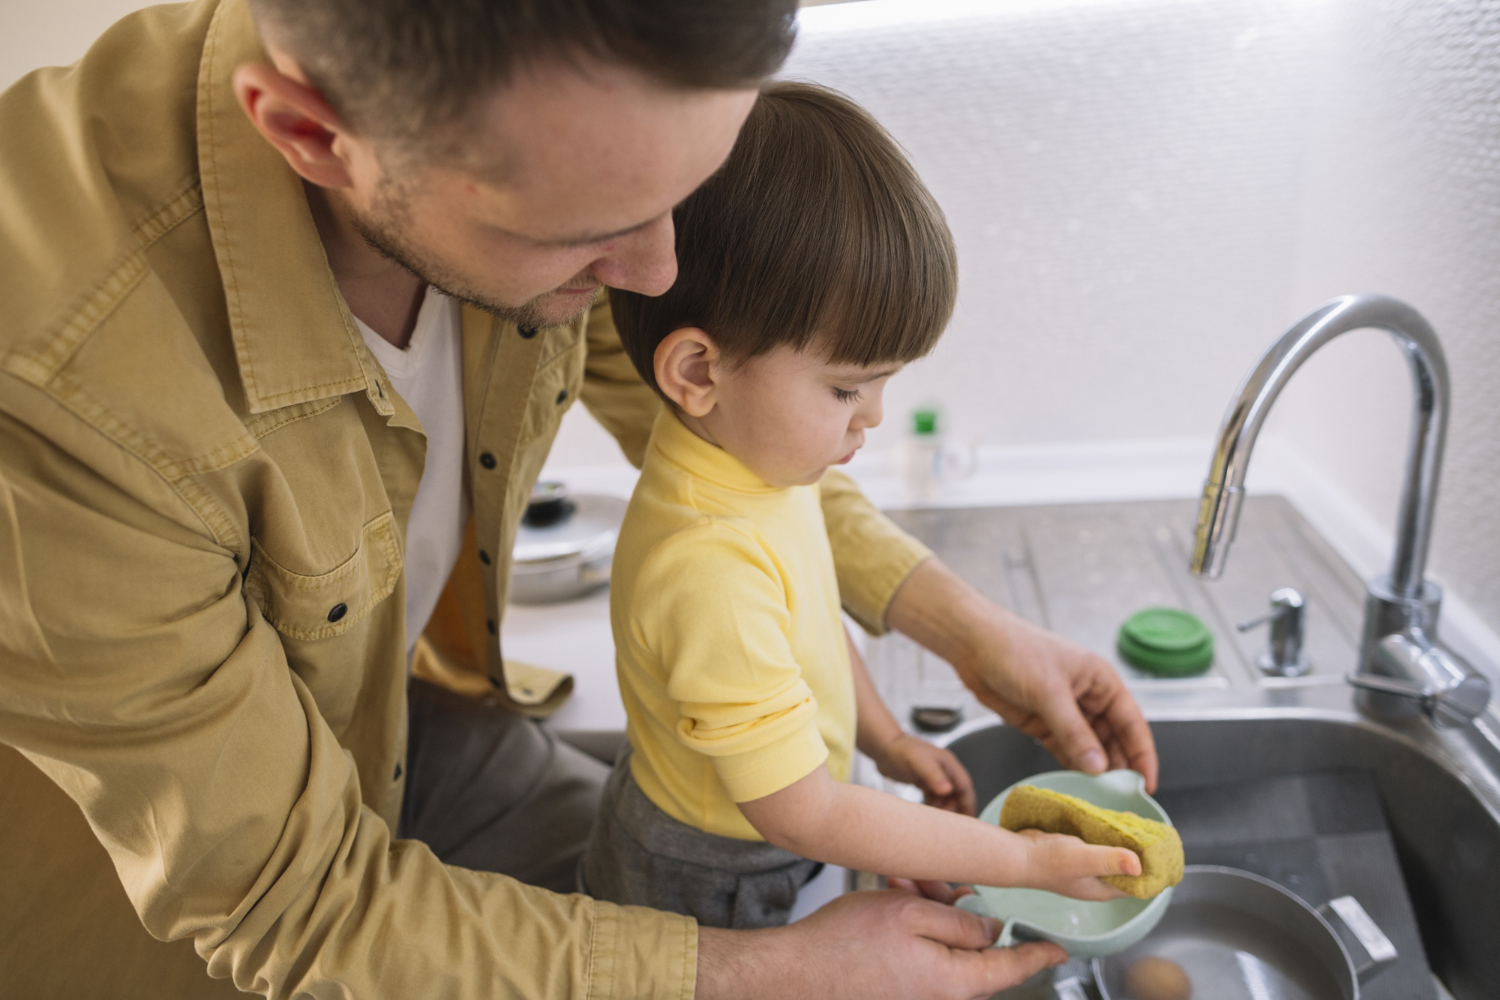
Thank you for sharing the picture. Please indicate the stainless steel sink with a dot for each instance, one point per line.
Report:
(1081, 569)
(1447, 835)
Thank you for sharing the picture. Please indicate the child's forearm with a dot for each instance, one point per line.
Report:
(875, 726)
(857, 827)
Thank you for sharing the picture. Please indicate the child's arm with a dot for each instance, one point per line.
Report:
(901, 756)
(843, 824)
(833, 822)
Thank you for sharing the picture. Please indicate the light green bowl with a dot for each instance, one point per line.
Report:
(1083, 929)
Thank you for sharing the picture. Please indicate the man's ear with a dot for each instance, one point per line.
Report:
(294, 118)
(684, 364)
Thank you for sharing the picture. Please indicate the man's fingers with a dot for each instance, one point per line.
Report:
(1077, 746)
(996, 969)
(1134, 735)
(950, 926)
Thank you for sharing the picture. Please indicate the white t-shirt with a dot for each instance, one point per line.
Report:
(429, 376)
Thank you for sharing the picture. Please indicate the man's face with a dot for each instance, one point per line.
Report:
(569, 186)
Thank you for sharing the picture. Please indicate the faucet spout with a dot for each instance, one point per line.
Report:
(1224, 491)
(1402, 669)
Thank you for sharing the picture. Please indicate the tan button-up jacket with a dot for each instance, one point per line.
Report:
(204, 486)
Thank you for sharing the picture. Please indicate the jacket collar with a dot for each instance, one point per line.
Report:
(294, 336)
(680, 446)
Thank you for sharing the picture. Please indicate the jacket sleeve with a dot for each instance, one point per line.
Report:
(873, 557)
(137, 675)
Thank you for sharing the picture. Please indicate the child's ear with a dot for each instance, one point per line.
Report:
(684, 366)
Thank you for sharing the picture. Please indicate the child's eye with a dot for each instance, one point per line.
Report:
(845, 395)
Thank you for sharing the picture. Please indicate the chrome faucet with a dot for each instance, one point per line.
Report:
(1402, 669)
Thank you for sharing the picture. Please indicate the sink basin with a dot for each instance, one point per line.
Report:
(1081, 569)
(1447, 837)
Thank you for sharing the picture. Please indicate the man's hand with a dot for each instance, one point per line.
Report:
(869, 945)
(945, 783)
(1052, 689)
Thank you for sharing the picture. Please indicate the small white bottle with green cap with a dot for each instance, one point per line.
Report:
(928, 461)
(922, 455)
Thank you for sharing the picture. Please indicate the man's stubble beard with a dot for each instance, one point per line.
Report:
(381, 231)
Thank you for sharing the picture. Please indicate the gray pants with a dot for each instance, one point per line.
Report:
(638, 855)
(492, 790)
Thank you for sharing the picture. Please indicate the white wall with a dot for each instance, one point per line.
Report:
(1402, 195)
(1122, 179)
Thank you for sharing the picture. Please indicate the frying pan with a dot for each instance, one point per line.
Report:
(1242, 937)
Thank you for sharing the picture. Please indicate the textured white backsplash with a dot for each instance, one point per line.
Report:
(1146, 192)
(1402, 195)
(1123, 180)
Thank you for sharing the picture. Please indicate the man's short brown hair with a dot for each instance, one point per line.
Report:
(816, 233)
(414, 70)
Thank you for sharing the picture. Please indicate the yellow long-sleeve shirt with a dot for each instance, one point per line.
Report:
(199, 462)
(728, 641)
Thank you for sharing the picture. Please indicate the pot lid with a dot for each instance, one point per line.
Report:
(567, 526)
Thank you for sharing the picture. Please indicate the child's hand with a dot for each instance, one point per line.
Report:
(943, 780)
(1067, 865)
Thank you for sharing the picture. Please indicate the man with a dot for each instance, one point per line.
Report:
(290, 308)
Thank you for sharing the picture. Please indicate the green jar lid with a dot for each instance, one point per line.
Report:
(1166, 641)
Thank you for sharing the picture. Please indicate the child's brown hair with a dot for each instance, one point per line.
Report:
(815, 233)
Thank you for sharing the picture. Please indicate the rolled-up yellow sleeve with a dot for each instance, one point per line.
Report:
(137, 675)
(871, 555)
(718, 620)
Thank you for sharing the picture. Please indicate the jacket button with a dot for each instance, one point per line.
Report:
(526, 332)
(561, 396)
(490, 624)
(484, 557)
(338, 611)
(487, 460)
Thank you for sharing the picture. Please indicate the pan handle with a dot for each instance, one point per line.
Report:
(1378, 950)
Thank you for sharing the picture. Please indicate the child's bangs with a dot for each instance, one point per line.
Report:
(892, 288)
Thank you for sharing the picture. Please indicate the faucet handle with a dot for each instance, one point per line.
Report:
(1450, 691)
(1284, 656)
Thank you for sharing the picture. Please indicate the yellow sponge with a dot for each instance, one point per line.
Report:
(1160, 848)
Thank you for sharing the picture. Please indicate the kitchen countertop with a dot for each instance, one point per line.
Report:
(1082, 569)
(1078, 569)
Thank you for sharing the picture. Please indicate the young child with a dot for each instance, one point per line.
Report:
(814, 265)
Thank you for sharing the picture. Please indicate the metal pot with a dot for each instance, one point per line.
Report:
(1242, 937)
(564, 546)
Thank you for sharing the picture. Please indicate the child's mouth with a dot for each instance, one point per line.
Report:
(846, 458)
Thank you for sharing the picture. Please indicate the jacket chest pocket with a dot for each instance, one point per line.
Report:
(300, 606)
